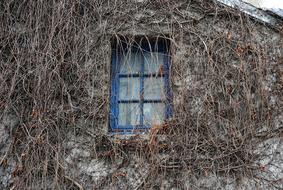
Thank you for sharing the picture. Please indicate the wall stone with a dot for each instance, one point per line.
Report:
(8, 124)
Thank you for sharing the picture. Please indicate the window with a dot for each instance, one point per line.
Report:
(140, 93)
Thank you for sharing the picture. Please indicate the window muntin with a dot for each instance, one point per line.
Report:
(140, 93)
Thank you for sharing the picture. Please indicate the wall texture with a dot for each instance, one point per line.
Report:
(226, 77)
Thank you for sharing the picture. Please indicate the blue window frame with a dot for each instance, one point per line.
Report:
(140, 93)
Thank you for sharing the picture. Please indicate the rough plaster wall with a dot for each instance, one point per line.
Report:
(84, 164)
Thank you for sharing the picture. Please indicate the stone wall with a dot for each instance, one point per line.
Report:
(214, 50)
(189, 61)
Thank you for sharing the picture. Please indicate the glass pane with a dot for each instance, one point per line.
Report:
(129, 114)
(129, 88)
(131, 63)
(154, 88)
(153, 62)
(154, 113)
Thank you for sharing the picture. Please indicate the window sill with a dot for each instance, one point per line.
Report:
(136, 138)
(143, 136)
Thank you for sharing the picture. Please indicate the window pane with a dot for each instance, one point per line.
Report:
(129, 88)
(153, 62)
(131, 63)
(154, 113)
(129, 114)
(154, 88)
